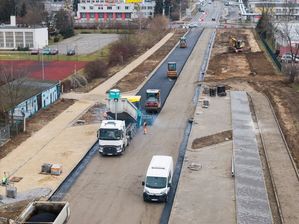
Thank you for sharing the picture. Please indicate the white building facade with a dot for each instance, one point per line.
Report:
(115, 10)
(13, 37)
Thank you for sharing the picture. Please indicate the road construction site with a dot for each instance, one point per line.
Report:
(109, 190)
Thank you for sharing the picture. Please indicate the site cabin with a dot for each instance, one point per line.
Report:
(183, 43)
(171, 70)
(153, 100)
(158, 179)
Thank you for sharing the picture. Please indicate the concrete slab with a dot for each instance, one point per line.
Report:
(252, 203)
(207, 195)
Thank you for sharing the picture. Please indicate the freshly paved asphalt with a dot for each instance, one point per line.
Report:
(159, 79)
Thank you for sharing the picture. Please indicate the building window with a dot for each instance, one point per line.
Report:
(128, 15)
(83, 7)
(1, 39)
(91, 15)
(109, 7)
(29, 39)
(110, 15)
(100, 7)
(83, 15)
(9, 39)
(126, 7)
(19, 39)
(90, 7)
(118, 7)
(118, 15)
(101, 15)
(143, 7)
(149, 7)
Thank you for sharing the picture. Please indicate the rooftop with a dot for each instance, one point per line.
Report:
(14, 93)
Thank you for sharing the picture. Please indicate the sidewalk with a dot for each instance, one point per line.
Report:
(279, 162)
(59, 141)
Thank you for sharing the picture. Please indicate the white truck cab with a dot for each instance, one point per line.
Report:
(158, 179)
(112, 137)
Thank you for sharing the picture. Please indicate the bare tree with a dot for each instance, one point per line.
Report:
(289, 32)
(11, 91)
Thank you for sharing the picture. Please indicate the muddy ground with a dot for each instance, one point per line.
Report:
(253, 67)
(35, 123)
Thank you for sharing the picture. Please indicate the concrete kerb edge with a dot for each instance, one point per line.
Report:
(156, 68)
(269, 167)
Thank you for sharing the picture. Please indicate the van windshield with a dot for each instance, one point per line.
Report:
(110, 134)
(156, 182)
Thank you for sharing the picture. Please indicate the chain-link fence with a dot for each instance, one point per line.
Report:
(4, 134)
(271, 53)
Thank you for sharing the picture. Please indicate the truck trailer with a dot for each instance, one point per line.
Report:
(50, 212)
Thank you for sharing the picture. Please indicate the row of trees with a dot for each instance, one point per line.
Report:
(282, 28)
(32, 12)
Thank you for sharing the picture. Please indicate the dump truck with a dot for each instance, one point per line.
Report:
(50, 212)
(183, 42)
(125, 117)
(171, 70)
(153, 100)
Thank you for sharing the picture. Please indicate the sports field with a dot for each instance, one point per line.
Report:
(53, 70)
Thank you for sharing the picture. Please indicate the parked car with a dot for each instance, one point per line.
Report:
(34, 52)
(49, 51)
(71, 52)
(46, 51)
(287, 58)
(54, 51)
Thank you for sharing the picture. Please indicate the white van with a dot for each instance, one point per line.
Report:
(158, 179)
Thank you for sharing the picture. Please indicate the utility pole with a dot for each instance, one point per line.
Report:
(43, 68)
(163, 12)
(180, 10)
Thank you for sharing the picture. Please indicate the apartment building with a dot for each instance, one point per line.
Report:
(114, 10)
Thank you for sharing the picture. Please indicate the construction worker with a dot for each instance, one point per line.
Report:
(145, 128)
(4, 179)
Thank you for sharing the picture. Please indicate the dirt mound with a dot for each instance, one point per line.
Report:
(211, 139)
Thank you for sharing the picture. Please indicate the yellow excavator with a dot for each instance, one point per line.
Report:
(237, 44)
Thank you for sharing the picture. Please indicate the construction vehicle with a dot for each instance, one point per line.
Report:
(51, 212)
(115, 133)
(153, 100)
(237, 45)
(183, 43)
(171, 70)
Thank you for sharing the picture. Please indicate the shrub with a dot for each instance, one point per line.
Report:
(122, 50)
(56, 39)
(95, 69)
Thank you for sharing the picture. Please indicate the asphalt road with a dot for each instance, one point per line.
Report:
(109, 190)
(159, 80)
